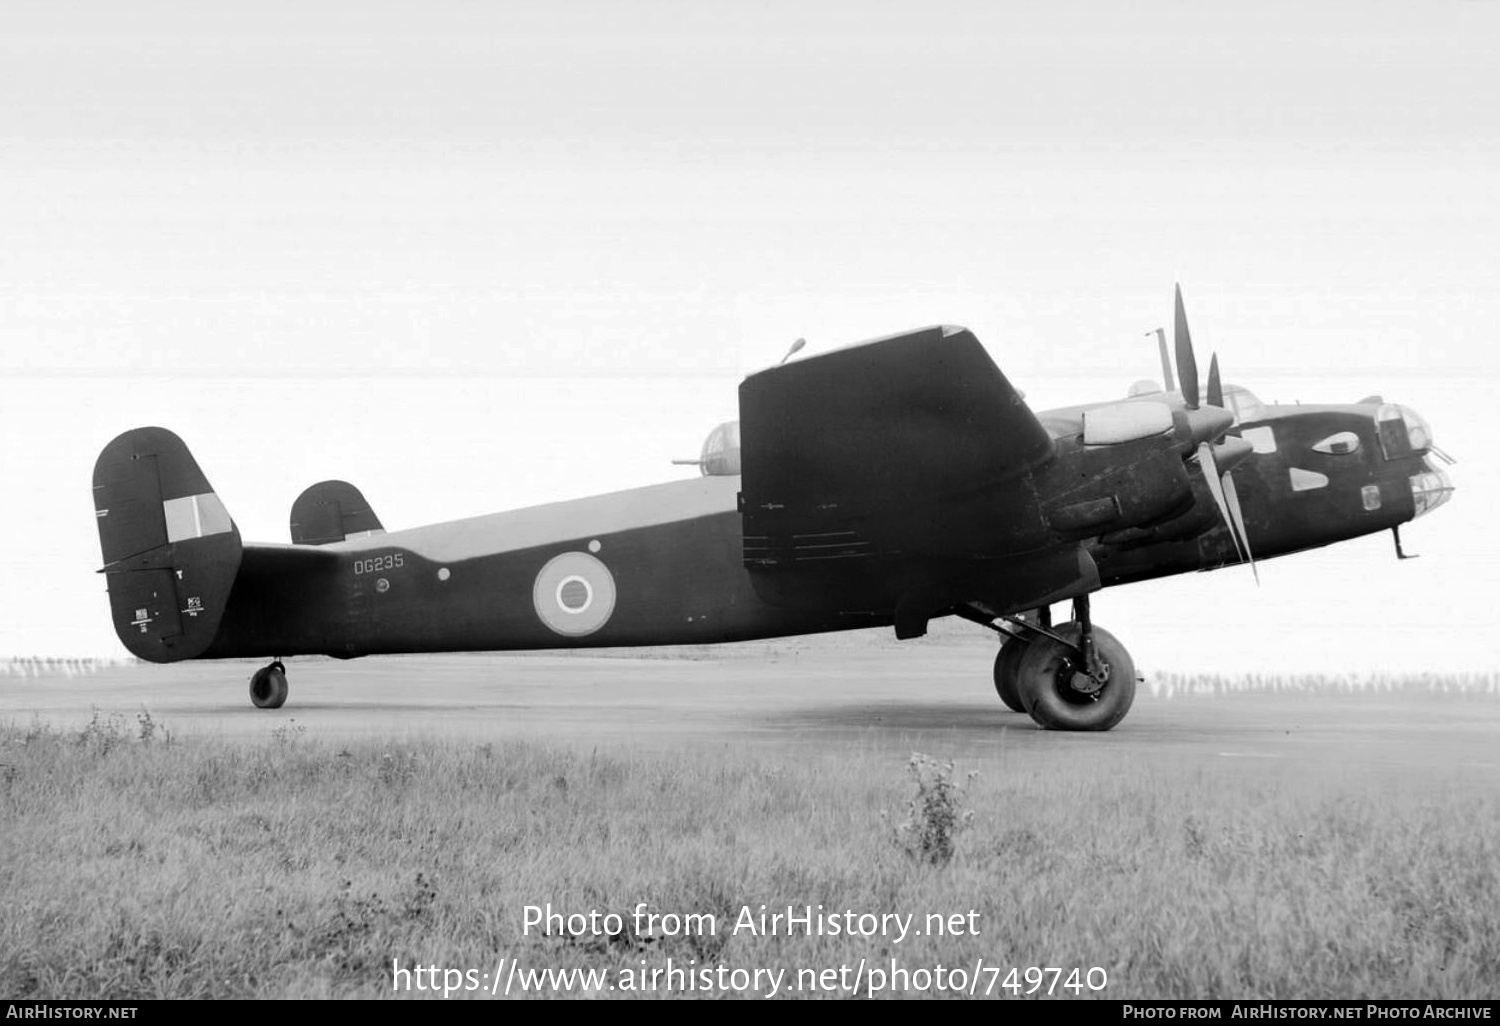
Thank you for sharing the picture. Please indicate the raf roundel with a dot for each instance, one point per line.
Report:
(574, 594)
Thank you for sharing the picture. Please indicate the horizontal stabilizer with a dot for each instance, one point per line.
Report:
(914, 436)
(331, 511)
(171, 551)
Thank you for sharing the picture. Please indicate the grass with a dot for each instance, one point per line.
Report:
(134, 864)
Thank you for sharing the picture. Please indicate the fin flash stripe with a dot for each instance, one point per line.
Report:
(195, 516)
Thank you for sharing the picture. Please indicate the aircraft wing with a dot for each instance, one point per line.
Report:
(915, 443)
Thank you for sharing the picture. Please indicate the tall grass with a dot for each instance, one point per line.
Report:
(134, 864)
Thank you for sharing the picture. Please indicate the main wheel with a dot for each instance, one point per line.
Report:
(268, 688)
(1061, 697)
(1007, 661)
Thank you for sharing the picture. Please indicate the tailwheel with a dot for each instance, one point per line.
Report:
(1007, 662)
(268, 688)
(1063, 689)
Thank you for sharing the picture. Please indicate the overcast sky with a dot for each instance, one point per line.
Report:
(294, 193)
(654, 187)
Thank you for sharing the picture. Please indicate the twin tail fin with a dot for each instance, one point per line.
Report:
(171, 550)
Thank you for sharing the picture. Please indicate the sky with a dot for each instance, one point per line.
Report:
(479, 255)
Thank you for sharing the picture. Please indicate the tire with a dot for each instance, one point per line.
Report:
(1044, 677)
(1007, 661)
(268, 688)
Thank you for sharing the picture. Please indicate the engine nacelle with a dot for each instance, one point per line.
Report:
(1125, 422)
(1092, 490)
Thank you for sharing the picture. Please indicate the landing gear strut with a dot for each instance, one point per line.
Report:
(1076, 677)
(268, 688)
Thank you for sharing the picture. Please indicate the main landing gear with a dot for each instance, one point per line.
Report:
(1074, 677)
(268, 688)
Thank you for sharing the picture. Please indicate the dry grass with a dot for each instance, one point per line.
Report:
(136, 865)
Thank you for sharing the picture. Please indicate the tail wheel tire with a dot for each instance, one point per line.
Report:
(1059, 697)
(1007, 662)
(268, 688)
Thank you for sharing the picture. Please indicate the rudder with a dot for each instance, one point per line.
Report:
(171, 551)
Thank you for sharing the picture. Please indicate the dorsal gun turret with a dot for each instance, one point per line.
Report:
(721, 452)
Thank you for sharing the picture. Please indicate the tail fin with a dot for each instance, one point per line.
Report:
(331, 511)
(171, 552)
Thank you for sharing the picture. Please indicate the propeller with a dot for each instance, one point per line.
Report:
(1217, 453)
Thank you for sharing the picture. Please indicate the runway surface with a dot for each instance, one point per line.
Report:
(807, 696)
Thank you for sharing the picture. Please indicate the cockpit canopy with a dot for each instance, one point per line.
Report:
(1238, 400)
(1243, 403)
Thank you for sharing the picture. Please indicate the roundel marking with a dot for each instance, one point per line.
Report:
(574, 594)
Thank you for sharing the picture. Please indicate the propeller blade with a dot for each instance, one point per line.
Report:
(1216, 489)
(1232, 496)
(1187, 366)
(1215, 387)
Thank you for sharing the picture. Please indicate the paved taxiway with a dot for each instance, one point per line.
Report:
(807, 695)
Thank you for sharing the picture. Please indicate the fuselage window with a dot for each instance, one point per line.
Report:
(1307, 480)
(1262, 439)
(1342, 443)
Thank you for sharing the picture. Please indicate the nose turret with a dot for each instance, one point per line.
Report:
(1403, 431)
(1404, 435)
(1430, 489)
